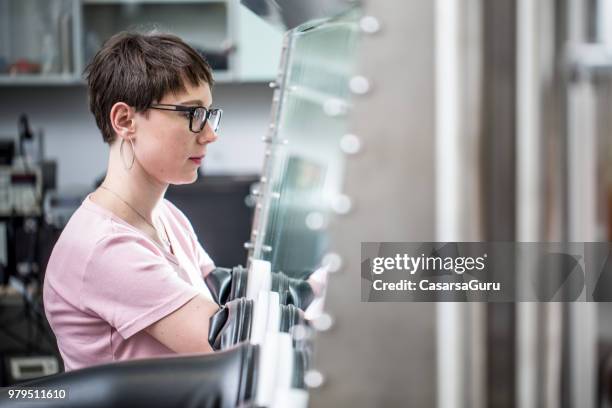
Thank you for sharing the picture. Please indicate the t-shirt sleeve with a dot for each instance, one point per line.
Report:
(130, 284)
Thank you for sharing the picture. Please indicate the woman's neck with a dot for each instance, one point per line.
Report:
(134, 186)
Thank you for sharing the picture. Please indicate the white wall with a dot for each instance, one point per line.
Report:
(72, 138)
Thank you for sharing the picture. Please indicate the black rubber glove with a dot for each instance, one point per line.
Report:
(227, 284)
(290, 316)
(215, 380)
(301, 363)
(296, 292)
(231, 324)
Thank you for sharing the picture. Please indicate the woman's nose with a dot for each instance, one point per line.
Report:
(207, 135)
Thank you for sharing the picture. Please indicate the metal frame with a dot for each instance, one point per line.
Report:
(256, 246)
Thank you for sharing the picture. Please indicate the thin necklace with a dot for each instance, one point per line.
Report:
(165, 239)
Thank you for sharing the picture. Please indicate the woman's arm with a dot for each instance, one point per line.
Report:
(186, 329)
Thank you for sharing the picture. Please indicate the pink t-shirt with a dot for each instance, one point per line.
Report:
(106, 281)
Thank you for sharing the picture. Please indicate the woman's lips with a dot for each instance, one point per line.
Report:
(197, 160)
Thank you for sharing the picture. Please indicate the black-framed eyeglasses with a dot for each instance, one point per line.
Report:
(198, 115)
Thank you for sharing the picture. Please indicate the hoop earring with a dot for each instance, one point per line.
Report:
(133, 154)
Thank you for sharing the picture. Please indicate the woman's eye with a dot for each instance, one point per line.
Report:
(186, 114)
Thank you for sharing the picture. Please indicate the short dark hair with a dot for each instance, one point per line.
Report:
(139, 69)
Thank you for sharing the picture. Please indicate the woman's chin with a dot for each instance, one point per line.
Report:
(187, 179)
(178, 178)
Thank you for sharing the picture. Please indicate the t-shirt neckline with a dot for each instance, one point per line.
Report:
(88, 203)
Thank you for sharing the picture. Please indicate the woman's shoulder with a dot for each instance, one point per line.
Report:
(91, 236)
(93, 244)
(92, 226)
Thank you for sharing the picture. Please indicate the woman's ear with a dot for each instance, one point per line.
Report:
(122, 120)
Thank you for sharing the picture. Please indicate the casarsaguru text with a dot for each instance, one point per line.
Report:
(426, 285)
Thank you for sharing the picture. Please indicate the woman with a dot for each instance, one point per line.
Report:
(125, 279)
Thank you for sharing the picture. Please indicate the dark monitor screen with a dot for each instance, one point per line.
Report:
(7, 152)
(216, 207)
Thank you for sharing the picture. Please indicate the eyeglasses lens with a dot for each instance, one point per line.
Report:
(215, 119)
(199, 117)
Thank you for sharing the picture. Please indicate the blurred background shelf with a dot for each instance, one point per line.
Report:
(50, 42)
(150, 1)
(220, 77)
(34, 79)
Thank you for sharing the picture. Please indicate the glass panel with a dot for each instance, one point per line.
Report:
(307, 165)
(36, 37)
